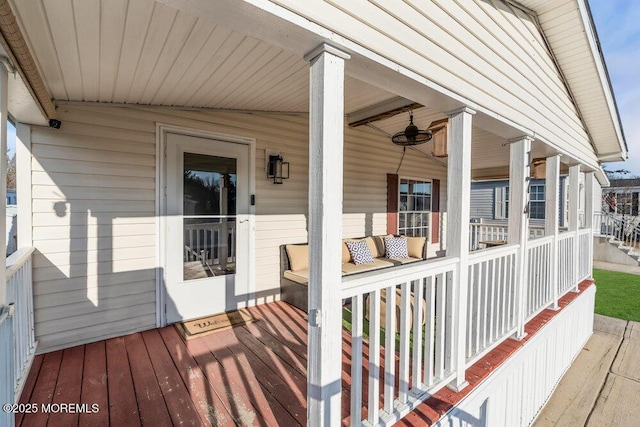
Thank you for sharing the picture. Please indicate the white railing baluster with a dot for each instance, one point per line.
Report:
(405, 319)
(357, 317)
(390, 348)
(429, 331)
(440, 326)
(471, 310)
(374, 356)
(418, 287)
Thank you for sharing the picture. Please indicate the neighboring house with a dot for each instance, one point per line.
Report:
(151, 197)
(622, 197)
(490, 200)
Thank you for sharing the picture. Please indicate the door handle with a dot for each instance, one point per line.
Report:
(243, 221)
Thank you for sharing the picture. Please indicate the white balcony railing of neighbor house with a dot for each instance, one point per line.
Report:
(424, 351)
(17, 339)
(618, 227)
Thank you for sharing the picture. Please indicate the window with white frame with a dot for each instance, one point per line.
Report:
(537, 204)
(501, 207)
(414, 209)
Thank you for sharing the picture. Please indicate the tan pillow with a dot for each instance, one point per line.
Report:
(380, 248)
(373, 248)
(415, 246)
(298, 257)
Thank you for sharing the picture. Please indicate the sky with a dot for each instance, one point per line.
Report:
(618, 26)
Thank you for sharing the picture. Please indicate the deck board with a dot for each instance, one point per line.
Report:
(176, 394)
(44, 388)
(250, 375)
(123, 408)
(68, 386)
(29, 384)
(151, 404)
(94, 385)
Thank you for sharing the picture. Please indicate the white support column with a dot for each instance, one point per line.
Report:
(588, 214)
(4, 83)
(551, 221)
(574, 219)
(458, 201)
(326, 132)
(519, 173)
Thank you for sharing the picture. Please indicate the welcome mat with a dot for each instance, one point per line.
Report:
(220, 322)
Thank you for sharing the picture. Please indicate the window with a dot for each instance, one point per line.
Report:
(536, 205)
(501, 208)
(414, 209)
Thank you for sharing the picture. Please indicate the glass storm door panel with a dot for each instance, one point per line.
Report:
(207, 227)
(208, 220)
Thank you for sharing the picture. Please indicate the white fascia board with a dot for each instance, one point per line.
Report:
(605, 82)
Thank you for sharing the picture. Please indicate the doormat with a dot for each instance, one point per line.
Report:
(220, 322)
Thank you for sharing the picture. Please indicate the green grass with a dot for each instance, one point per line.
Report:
(346, 324)
(618, 294)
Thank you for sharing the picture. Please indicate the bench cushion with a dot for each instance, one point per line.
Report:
(298, 257)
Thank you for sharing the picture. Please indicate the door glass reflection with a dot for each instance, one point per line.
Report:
(209, 216)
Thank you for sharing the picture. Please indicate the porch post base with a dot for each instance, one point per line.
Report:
(554, 306)
(456, 386)
(519, 336)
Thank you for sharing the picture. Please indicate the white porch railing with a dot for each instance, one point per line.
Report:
(480, 232)
(491, 303)
(17, 339)
(566, 260)
(585, 257)
(417, 324)
(621, 228)
(540, 286)
(422, 322)
(208, 242)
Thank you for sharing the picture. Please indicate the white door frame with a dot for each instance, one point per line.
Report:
(162, 130)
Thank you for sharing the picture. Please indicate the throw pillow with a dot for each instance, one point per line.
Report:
(415, 247)
(396, 247)
(360, 252)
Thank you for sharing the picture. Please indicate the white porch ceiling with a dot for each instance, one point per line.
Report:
(143, 52)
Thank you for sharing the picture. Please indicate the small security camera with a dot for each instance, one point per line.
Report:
(54, 123)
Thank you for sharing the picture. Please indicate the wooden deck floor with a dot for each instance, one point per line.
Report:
(249, 375)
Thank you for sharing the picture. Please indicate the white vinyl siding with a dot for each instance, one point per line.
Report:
(94, 222)
(489, 52)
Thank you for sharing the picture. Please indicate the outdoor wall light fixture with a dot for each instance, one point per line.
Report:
(411, 135)
(277, 168)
